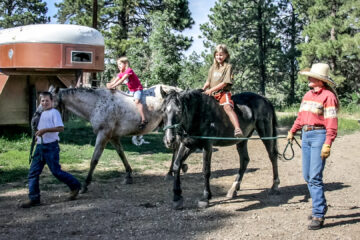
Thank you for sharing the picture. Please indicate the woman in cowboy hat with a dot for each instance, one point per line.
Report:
(318, 121)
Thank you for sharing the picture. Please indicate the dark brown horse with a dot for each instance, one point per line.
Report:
(189, 116)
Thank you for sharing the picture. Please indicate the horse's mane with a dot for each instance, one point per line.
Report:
(70, 91)
(197, 108)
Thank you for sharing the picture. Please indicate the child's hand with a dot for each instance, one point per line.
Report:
(40, 133)
(208, 92)
(108, 85)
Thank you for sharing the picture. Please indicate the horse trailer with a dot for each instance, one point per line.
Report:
(33, 57)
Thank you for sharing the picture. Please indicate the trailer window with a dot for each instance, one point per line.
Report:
(81, 57)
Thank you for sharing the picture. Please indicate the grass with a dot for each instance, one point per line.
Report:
(77, 146)
(347, 123)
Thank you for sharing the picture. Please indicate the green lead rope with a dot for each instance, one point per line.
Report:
(290, 143)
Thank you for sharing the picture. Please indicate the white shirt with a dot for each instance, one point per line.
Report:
(49, 119)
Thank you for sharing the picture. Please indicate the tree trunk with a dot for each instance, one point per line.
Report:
(261, 51)
(292, 57)
(333, 35)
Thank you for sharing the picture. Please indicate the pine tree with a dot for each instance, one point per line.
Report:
(166, 48)
(128, 24)
(246, 26)
(289, 29)
(19, 12)
(333, 36)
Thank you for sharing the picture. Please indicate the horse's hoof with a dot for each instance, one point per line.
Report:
(169, 177)
(203, 203)
(128, 180)
(231, 195)
(232, 191)
(178, 205)
(184, 168)
(83, 190)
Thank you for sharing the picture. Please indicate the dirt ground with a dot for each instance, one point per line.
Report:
(143, 210)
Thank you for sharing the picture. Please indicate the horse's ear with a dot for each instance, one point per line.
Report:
(56, 90)
(51, 88)
(163, 93)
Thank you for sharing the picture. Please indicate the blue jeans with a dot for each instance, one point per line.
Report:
(137, 94)
(313, 167)
(49, 154)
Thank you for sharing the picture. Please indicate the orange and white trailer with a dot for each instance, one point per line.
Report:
(33, 57)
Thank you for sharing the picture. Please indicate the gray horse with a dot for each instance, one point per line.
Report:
(112, 114)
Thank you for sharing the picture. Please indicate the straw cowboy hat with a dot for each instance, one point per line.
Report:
(319, 71)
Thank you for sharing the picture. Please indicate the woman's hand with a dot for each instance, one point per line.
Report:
(290, 136)
(325, 151)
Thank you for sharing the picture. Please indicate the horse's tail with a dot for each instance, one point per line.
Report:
(274, 120)
(274, 127)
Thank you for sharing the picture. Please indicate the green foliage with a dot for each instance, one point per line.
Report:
(348, 126)
(145, 31)
(332, 36)
(194, 72)
(166, 51)
(247, 28)
(19, 12)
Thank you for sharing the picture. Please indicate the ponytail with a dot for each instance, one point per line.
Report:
(331, 89)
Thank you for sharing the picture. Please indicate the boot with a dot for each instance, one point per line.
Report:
(73, 194)
(316, 223)
(30, 203)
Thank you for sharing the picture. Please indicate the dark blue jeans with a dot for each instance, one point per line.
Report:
(313, 167)
(49, 154)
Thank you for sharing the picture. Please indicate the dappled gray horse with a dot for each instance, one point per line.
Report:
(194, 120)
(112, 114)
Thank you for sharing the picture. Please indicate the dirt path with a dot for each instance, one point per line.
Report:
(143, 210)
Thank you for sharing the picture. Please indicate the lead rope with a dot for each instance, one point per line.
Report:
(292, 149)
(244, 138)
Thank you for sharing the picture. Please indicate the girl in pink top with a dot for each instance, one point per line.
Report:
(128, 77)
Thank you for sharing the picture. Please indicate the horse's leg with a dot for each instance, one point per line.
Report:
(169, 175)
(182, 153)
(101, 141)
(184, 167)
(204, 201)
(244, 161)
(119, 149)
(265, 129)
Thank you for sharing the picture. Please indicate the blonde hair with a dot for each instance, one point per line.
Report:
(124, 60)
(221, 48)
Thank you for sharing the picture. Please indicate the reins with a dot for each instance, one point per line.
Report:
(290, 143)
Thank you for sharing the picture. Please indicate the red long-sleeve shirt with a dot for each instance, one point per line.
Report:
(318, 108)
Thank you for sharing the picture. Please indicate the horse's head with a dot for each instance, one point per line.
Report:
(172, 111)
(55, 95)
